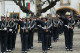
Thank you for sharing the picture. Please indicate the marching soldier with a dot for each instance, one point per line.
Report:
(50, 34)
(24, 33)
(60, 26)
(68, 31)
(10, 27)
(29, 41)
(3, 31)
(39, 32)
(14, 34)
(45, 35)
(31, 32)
(55, 29)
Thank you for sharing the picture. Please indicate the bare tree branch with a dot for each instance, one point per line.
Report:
(49, 1)
(52, 4)
(26, 10)
(24, 3)
(23, 8)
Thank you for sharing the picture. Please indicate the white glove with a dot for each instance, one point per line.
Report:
(5, 29)
(10, 29)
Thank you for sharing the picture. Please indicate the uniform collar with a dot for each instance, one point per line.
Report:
(69, 19)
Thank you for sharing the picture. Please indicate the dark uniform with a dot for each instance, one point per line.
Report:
(49, 22)
(31, 34)
(15, 31)
(24, 34)
(3, 36)
(29, 37)
(10, 27)
(45, 36)
(60, 27)
(55, 31)
(39, 33)
(68, 32)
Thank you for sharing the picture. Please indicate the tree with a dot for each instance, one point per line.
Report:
(21, 4)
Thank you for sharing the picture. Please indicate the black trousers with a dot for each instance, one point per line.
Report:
(49, 40)
(68, 37)
(55, 33)
(3, 41)
(14, 39)
(24, 41)
(9, 42)
(45, 40)
(39, 36)
(30, 39)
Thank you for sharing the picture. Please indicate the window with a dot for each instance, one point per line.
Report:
(14, 15)
(65, 2)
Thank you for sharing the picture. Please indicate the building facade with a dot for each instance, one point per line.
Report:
(8, 7)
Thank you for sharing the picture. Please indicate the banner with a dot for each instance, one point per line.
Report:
(27, 5)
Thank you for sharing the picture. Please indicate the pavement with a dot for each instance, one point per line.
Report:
(58, 47)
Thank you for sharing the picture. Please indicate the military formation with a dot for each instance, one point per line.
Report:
(48, 30)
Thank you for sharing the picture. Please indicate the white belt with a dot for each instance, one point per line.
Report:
(23, 28)
(44, 27)
(5, 29)
(10, 30)
(67, 26)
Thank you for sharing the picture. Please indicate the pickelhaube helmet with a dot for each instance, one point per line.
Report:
(2, 16)
(44, 17)
(8, 16)
(68, 13)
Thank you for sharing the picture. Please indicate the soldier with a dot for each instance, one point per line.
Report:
(31, 32)
(55, 29)
(45, 35)
(24, 33)
(39, 32)
(68, 31)
(10, 27)
(14, 34)
(60, 26)
(3, 34)
(50, 23)
(29, 43)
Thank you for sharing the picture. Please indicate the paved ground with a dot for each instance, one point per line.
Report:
(58, 47)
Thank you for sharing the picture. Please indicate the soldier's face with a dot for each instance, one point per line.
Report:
(2, 18)
(44, 19)
(28, 19)
(9, 19)
(23, 20)
(68, 16)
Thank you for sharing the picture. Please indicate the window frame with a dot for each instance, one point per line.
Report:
(68, 2)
